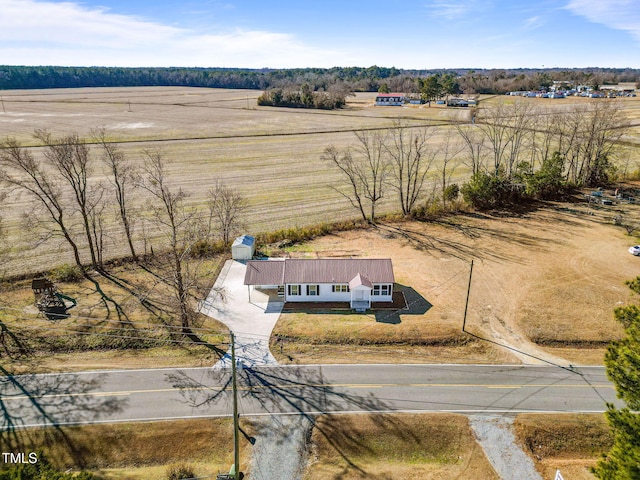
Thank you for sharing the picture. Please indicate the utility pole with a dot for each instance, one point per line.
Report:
(236, 426)
(464, 321)
(2, 100)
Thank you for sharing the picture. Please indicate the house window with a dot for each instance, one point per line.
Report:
(313, 290)
(339, 288)
(293, 289)
(384, 289)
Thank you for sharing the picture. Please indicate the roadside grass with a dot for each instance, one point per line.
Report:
(571, 443)
(134, 328)
(407, 446)
(139, 451)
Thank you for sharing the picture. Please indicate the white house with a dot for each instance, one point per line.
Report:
(390, 99)
(243, 248)
(357, 281)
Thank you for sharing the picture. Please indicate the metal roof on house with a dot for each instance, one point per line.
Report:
(360, 281)
(261, 272)
(322, 270)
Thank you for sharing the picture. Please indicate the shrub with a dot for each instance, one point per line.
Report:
(180, 471)
(66, 273)
(451, 192)
(484, 192)
(207, 248)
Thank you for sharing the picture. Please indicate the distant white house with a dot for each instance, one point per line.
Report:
(390, 99)
(357, 281)
(243, 248)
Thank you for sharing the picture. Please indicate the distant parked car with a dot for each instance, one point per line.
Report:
(635, 250)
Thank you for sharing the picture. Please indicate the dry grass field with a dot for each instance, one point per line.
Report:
(572, 443)
(140, 451)
(270, 155)
(144, 334)
(545, 282)
(411, 447)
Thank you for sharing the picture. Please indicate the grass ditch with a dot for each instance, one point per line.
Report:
(138, 451)
(404, 446)
(571, 443)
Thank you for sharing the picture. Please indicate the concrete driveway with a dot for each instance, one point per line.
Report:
(250, 319)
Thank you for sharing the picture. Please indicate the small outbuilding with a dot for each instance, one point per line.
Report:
(243, 248)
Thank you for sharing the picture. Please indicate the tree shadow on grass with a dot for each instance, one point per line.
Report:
(292, 390)
(49, 401)
(430, 243)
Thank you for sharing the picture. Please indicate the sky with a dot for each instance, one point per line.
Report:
(427, 34)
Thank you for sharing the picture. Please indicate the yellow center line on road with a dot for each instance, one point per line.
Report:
(123, 393)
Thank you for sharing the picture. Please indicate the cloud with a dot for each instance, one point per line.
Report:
(616, 14)
(533, 22)
(50, 33)
(450, 9)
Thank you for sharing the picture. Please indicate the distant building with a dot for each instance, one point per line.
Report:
(390, 99)
(457, 102)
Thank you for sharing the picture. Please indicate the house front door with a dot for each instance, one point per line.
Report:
(359, 295)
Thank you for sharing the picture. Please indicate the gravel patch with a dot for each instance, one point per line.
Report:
(496, 438)
(281, 447)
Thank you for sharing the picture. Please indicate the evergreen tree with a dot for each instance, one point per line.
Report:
(622, 360)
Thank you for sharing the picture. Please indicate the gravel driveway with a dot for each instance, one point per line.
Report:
(494, 435)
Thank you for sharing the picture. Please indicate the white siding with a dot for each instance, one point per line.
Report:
(382, 298)
(325, 294)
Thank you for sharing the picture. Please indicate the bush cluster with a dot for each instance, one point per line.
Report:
(305, 97)
(66, 273)
(485, 191)
(180, 471)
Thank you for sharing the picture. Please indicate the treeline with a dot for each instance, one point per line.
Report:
(515, 152)
(319, 79)
(304, 97)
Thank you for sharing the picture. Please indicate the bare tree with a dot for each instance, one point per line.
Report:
(226, 208)
(181, 227)
(603, 128)
(122, 177)
(20, 170)
(505, 127)
(366, 167)
(474, 141)
(71, 158)
(449, 153)
(373, 167)
(410, 162)
(346, 164)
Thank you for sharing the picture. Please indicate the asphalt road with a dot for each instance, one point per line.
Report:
(142, 395)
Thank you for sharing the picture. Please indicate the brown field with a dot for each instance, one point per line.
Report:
(572, 443)
(412, 447)
(544, 282)
(270, 155)
(139, 451)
